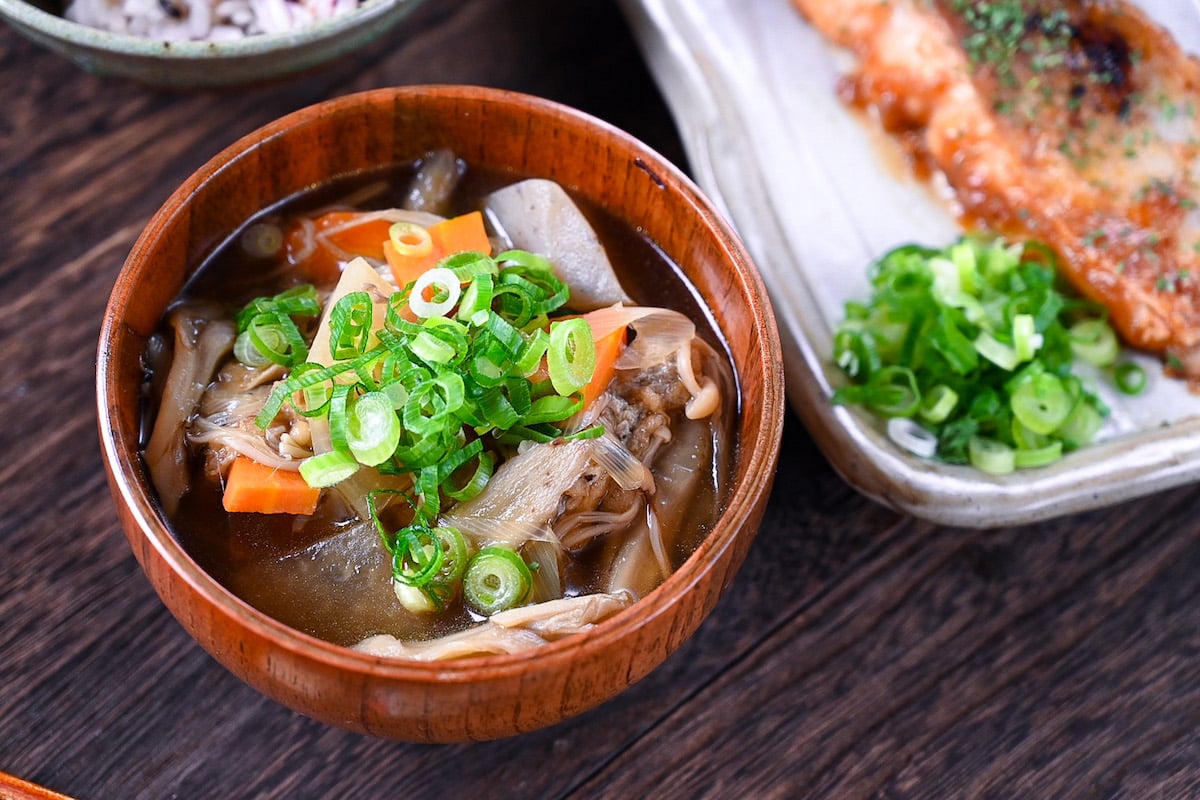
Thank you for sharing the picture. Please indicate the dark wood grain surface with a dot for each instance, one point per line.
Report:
(859, 652)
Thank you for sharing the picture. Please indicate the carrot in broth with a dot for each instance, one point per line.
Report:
(450, 236)
(257, 488)
(608, 350)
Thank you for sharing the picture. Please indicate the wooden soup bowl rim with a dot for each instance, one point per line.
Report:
(161, 555)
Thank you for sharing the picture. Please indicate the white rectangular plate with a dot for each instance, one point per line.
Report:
(816, 196)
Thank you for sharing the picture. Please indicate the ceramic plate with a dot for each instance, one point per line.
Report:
(816, 195)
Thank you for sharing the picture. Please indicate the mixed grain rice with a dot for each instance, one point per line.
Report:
(203, 20)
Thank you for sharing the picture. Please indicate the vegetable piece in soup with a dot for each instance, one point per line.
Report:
(385, 422)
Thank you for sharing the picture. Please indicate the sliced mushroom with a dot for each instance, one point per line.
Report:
(506, 632)
(201, 343)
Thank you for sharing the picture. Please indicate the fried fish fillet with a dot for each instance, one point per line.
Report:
(1074, 123)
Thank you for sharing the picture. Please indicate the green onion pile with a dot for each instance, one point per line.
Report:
(483, 360)
(968, 352)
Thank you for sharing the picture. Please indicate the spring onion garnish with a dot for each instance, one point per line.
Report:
(1095, 342)
(266, 331)
(990, 455)
(466, 359)
(443, 287)
(426, 559)
(974, 345)
(327, 469)
(912, 437)
(497, 579)
(570, 355)
(372, 429)
(410, 239)
(1130, 377)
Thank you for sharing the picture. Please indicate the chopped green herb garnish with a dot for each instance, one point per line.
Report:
(464, 353)
(975, 343)
(267, 332)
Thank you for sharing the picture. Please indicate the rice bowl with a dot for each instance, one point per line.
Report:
(185, 64)
(204, 20)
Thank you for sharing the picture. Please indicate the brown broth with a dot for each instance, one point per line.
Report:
(331, 578)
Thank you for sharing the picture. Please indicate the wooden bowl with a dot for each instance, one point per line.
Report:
(477, 698)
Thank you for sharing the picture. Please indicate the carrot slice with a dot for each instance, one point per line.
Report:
(450, 236)
(407, 268)
(364, 239)
(331, 239)
(464, 232)
(608, 349)
(257, 488)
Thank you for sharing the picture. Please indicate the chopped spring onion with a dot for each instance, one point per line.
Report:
(266, 331)
(1002, 355)
(975, 341)
(1082, 424)
(912, 437)
(892, 391)
(937, 403)
(299, 301)
(991, 456)
(1095, 342)
(328, 469)
(1130, 377)
(1026, 339)
(275, 338)
(446, 582)
(410, 240)
(417, 555)
(350, 325)
(571, 355)
(445, 287)
(262, 239)
(372, 429)
(1038, 456)
(496, 580)
(312, 401)
(247, 351)
(429, 565)
(1041, 403)
(484, 366)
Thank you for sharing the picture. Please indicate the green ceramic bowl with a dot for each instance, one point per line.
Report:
(195, 65)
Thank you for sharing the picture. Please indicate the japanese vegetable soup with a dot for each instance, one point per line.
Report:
(438, 412)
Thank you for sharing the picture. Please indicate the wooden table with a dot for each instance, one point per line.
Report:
(859, 652)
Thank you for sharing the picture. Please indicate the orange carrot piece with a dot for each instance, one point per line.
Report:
(257, 488)
(464, 232)
(323, 262)
(365, 239)
(319, 265)
(331, 218)
(450, 236)
(608, 349)
(405, 268)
